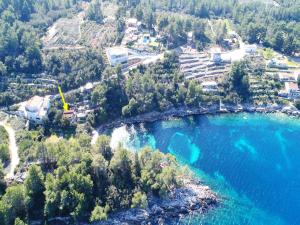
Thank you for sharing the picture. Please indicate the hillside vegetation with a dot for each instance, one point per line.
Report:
(87, 182)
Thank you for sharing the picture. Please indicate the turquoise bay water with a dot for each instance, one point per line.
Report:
(251, 160)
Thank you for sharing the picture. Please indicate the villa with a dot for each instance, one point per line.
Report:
(117, 56)
(274, 63)
(36, 109)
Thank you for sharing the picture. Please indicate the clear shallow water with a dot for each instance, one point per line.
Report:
(251, 160)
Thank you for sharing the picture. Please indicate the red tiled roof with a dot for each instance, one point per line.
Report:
(291, 86)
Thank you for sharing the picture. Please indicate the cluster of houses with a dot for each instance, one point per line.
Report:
(136, 45)
(291, 88)
(207, 67)
(139, 38)
(36, 109)
(287, 75)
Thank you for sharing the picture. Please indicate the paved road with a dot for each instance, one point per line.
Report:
(13, 150)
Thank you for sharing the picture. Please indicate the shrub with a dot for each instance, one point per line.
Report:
(139, 200)
(4, 153)
(99, 213)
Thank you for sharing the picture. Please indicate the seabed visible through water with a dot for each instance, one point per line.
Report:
(251, 160)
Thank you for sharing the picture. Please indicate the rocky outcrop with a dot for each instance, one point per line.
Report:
(191, 198)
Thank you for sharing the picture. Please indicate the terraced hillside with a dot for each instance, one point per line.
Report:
(197, 65)
(98, 35)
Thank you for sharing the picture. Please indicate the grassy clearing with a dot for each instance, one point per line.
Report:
(268, 53)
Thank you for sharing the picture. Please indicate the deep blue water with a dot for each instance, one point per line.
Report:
(251, 160)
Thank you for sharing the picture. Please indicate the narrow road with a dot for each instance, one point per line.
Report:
(13, 150)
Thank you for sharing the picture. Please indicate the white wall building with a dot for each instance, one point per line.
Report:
(117, 56)
(36, 109)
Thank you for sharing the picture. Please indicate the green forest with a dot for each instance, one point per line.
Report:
(69, 177)
(156, 88)
(275, 27)
(24, 22)
(85, 182)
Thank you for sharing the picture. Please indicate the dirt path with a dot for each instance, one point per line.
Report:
(13, 149)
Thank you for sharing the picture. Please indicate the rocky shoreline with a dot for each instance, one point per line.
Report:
(191, 198)
(186, 111)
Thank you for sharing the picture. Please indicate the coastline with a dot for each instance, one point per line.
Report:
(139, 215)
(190, 111)
(192, 197)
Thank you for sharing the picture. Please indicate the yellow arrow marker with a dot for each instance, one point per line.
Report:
(66, 105)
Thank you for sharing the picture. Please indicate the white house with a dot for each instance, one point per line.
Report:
(117, 56)
(36, 109)
(233, 34)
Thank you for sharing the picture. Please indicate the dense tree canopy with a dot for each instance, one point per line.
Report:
(94, 12)
(81, 183)
(258, 22)
(155, 88)
(237, 82)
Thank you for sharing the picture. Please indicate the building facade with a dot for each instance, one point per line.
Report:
(117, 56)
(36, 109)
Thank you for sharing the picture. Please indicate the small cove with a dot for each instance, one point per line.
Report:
(250, 160)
